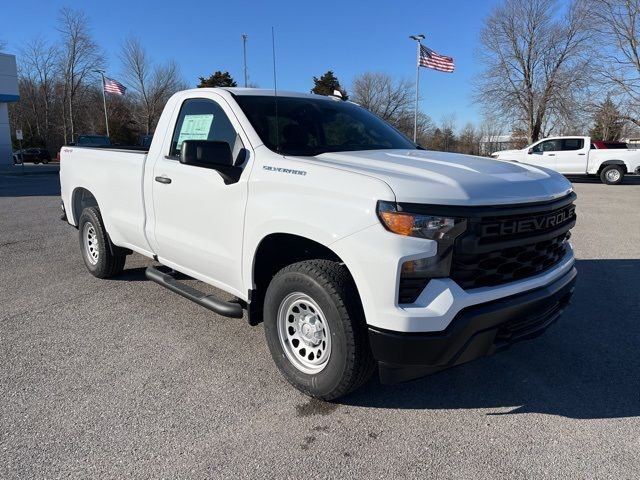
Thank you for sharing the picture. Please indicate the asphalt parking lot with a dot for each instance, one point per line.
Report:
(121, 378)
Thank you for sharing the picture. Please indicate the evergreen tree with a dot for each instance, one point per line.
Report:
(326, 84)
(608, 124)
(218, 79)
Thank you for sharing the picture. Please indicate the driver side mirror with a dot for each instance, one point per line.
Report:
(530, 151)
(213, 155)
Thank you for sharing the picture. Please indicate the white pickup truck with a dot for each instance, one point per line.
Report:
(577, 156)
(355, 247)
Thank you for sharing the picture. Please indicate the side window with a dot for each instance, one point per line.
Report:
(549, 146)
(203, 119)
(569, 144)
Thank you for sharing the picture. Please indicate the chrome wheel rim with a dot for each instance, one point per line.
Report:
(304, 333)
(90, 241)
(613, 175)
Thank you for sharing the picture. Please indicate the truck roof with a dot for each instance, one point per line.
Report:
(265, 92)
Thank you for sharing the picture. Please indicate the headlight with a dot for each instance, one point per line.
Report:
(431, 227)
(415, 274)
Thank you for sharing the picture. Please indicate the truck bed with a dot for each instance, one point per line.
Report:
(113, 175)
(631, 158)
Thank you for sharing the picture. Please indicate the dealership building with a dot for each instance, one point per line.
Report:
(8, 93)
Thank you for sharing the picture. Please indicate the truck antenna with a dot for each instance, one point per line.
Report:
(275, 88)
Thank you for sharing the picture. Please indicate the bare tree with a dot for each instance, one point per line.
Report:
(79, 56)
(392, 100)
(535, 60)
(469, 140)
(448, 127)
(39, 66)
(617, 26)
(379, 93)
(492, 128)
(151, 85)
(404, 123)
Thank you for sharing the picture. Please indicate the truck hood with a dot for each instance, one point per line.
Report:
(420, 176)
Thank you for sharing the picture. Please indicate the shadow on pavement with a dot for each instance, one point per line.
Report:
(33, 183)
(585, 366)
(628, 180)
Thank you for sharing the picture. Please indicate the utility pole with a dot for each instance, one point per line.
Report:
(417, 38)
(104, 101)
(244, 49)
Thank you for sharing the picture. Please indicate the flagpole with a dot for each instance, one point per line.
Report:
(104, 101)
(418, 39)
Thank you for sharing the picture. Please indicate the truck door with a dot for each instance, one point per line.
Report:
(198, 218)
(543, 154)
(572, 157)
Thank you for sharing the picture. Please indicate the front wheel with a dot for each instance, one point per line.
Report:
(315, 329)
(102, 258)
(612, 175)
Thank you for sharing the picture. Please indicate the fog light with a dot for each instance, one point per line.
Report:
(436, 266)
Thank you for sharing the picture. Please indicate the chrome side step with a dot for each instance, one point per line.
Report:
(221, 307)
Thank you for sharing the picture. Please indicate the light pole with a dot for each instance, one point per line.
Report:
(104, 100)
(244, 49)
(417, 38)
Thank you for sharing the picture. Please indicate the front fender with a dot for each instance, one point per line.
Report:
(323, 204)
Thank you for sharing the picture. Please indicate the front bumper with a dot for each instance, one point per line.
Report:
(476, 331)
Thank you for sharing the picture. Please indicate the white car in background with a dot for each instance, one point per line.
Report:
(577, 156)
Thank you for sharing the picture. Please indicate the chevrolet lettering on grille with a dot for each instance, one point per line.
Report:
(531, 224)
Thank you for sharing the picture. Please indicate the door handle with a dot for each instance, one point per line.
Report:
(552, 154)
(163, 180)
(582, 154)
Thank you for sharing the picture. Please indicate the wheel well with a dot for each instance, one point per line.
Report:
(82, 198)
(275, 252)
(619, 163)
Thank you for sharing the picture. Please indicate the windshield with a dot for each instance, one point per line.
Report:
(310, 126)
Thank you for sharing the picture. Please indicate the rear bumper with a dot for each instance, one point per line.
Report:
(475, 332)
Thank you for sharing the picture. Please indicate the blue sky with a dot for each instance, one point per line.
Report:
(311, 37)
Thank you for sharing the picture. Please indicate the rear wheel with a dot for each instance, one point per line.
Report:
(315, 329)
(102, 258)
(612, 175)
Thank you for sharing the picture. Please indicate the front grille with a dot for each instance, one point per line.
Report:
(506, 247)
(501, 244)
(507, 265)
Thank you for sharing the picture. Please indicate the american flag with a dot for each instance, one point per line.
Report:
(113, 86)
(430, 59)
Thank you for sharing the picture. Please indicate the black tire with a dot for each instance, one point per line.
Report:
(612, 175)
(331, 287)
(108, 260)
